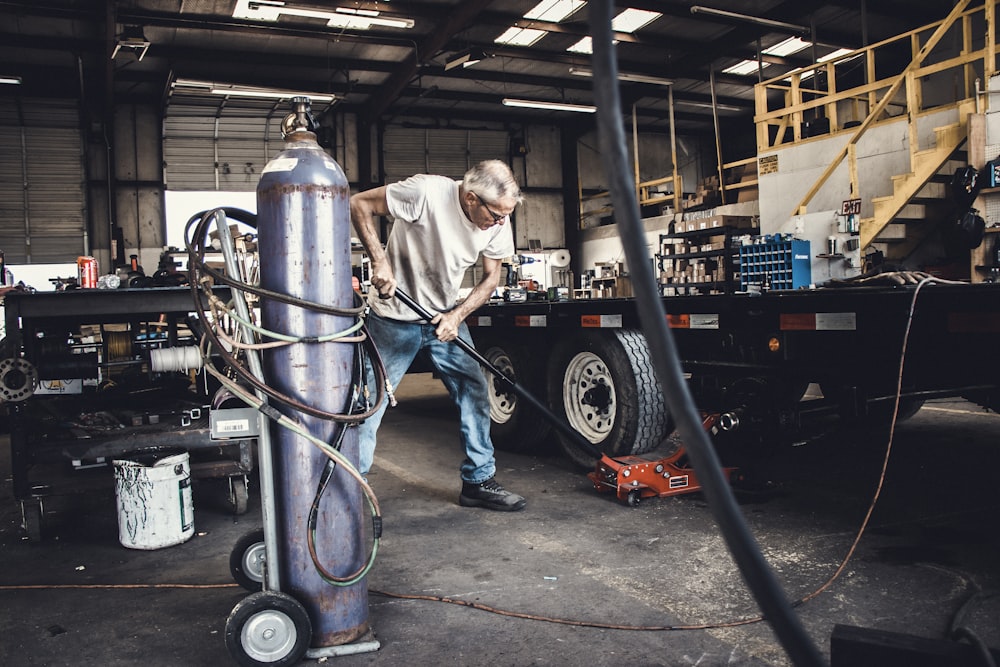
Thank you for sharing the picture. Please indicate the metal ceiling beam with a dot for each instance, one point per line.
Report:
(457, 20)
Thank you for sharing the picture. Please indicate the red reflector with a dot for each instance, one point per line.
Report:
(973, 322)
(679, 321)
(798, 322)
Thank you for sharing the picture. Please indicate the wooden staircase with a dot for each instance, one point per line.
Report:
(901, 220)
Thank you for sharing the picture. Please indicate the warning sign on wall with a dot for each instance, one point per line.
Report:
(767, 164)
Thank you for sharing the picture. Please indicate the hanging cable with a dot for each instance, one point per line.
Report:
(754, 568)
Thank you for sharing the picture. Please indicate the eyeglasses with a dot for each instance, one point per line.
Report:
(496, 216)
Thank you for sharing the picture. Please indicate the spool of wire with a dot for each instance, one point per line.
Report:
(117, 345)
(169, 359)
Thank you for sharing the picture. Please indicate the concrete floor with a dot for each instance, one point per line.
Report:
(572, 554)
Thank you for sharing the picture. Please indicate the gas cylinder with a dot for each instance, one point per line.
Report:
(304, 241)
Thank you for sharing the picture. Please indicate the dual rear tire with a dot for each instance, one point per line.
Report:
(600, 382)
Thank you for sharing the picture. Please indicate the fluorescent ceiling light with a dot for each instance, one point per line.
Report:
(248, 91)
(342, 17)
(787, 47)
(625, 76)
(552, 106)
(15, 80)
(132, 39)
(745, 67)
(236, 91)
(553, 10)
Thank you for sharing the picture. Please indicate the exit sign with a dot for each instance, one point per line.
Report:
(850, 207)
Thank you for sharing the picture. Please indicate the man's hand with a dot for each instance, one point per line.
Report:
(383, 280)
(447, 326)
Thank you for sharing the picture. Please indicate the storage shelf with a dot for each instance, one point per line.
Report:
(777, 264)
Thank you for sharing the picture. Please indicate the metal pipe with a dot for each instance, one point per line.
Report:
(265, 455)
(521, 392)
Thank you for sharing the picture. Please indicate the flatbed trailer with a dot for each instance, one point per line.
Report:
(750, 357)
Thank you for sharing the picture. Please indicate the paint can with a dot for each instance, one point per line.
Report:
(153, 495)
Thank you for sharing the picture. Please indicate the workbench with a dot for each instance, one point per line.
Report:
(97, 397)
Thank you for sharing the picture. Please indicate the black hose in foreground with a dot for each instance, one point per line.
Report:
(754, 568)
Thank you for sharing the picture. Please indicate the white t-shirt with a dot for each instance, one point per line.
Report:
(432, 244)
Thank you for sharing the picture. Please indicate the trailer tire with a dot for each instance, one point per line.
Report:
(603, 384)
(515, 425)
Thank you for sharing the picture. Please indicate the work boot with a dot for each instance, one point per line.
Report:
(491, 495)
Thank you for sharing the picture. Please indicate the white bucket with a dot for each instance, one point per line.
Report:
(153, 493)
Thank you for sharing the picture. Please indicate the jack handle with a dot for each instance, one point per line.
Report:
(521, 392)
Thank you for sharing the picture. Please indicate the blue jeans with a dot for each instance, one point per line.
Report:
(398, 343)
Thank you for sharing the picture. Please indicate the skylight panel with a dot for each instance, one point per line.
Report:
(745, 67)
(628, 21)
(585, 45)
(554, 10)
(787, 47)
(520, 36)
(834, 55)
(631, 20)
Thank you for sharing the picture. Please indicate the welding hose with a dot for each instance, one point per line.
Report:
(196, 266)
(337, 458)
(754, 568)
(196, 256)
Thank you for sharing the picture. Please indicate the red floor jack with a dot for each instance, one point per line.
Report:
(631, 477)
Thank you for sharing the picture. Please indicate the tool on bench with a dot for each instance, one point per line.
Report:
(632, 478)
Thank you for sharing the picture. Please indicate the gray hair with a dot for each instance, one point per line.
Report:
(493, 181)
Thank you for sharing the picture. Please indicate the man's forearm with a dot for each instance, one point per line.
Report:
(479, 295)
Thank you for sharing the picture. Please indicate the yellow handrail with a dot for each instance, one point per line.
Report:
(878, 95)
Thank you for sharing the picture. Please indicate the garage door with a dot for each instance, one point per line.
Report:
(444, 152)
(219, 147)
(41, 181)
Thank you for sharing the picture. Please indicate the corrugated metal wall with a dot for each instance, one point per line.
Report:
(42, 200)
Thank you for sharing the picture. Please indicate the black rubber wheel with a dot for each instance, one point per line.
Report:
(634, 498)
(268, 628)
(239, 494)
(247, 562)
(516, 426)
(603, 384)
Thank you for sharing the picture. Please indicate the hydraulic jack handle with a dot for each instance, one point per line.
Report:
(521, 392)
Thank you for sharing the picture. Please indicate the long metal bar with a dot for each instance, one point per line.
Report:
(521, 392)
(265, 458)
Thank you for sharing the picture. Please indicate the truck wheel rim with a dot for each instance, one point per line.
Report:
(589, 392)
(503, 402)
